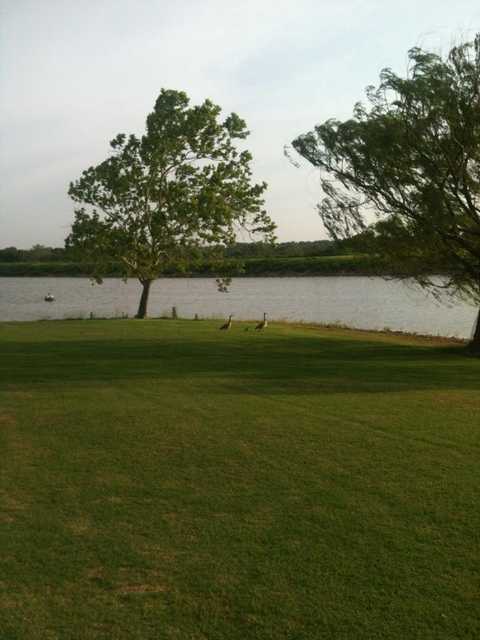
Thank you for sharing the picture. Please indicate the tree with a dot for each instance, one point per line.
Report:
(10, 254)
(406, 170)
(183, 185)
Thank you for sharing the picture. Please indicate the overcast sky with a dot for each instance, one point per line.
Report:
(74, 74)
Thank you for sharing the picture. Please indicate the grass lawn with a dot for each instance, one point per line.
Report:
(164, 480)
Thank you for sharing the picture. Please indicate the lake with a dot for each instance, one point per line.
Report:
(362, 302)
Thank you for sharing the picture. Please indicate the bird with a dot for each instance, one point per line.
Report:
(263, 324)
(227, 324)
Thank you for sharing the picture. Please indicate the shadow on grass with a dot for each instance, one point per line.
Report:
(268, 364)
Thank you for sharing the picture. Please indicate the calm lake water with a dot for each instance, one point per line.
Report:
(368, 303)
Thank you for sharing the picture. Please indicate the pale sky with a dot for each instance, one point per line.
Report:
(74, 74)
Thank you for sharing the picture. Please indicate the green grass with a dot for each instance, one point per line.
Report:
(162, 479)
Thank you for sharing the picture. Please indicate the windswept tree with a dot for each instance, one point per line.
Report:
(405, 170)
(158, 198)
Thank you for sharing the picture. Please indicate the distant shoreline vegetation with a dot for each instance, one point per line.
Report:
(355, 257)
(247, 259)
(340, 265)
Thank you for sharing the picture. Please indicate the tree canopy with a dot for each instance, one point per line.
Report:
(406, 170)
(181, 186)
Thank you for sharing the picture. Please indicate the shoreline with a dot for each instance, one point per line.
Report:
(342, 265)
(293, 274)
(377, 333)
(267, 274)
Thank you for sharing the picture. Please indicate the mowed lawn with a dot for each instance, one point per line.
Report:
(163, 479)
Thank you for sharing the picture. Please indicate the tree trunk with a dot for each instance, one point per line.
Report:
(475, 343)
(142, 307)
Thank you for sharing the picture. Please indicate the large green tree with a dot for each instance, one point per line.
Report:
(405, 171)
(183, 185)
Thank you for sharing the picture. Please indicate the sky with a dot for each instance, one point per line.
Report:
(74, 74)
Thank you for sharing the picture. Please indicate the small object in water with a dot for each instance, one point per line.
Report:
(49, 297)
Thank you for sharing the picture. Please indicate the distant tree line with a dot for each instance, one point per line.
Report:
(302, 249)
(38, 253)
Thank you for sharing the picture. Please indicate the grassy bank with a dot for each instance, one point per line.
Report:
(162, 479)
(321, 265)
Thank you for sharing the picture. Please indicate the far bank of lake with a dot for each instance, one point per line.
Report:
(238, 267)
(356, 301)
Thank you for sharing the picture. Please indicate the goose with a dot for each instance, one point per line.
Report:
(263, 324)
(49, 297)
(227, 324)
